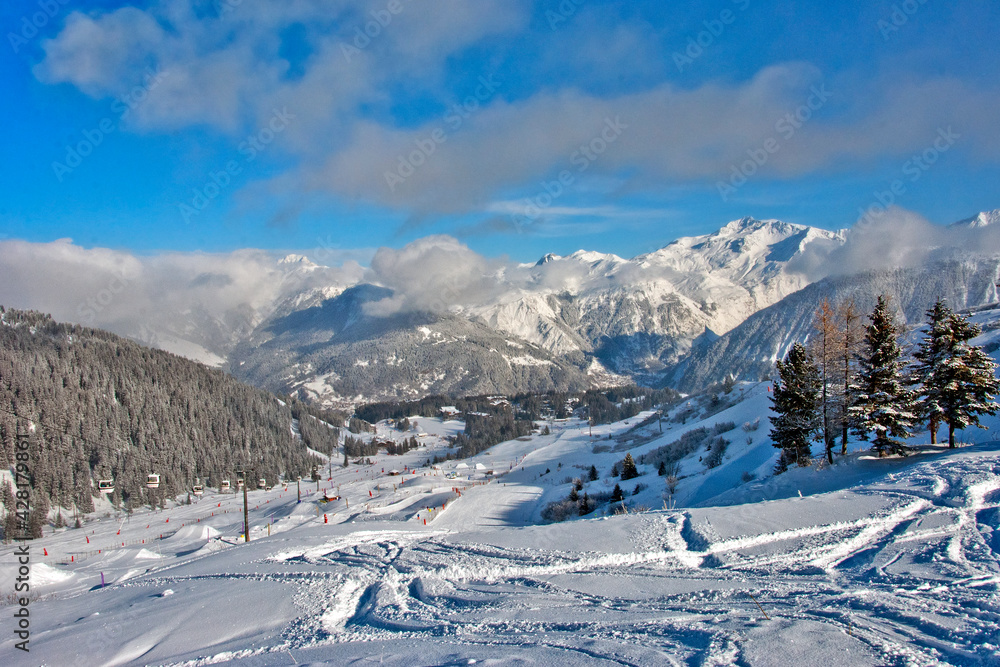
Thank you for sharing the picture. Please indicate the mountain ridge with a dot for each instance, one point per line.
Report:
(457, 323)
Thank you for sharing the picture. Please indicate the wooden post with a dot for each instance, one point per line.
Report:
(246, 513)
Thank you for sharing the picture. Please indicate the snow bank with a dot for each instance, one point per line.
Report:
(46, 575)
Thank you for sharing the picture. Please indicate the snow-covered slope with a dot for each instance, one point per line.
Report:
(867, 562)
(336, 354)
(748, 352)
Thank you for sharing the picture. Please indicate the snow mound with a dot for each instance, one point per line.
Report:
(191, 533)
(46, 575)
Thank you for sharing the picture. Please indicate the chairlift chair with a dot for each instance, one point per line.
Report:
(106, 485)
(198, 489)
(152, 481)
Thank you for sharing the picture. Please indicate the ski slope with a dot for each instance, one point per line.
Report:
(867, 562)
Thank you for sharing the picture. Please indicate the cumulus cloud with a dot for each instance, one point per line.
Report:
(435, 274)
(662, 135)
(895, 238)
(195, 296)
(153, 295)
(229, 70)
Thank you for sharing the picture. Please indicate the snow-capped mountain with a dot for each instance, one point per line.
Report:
(984, 219)
(638, 315)
(564, 322)
(201, 330)
(334, 352)
(687, 314)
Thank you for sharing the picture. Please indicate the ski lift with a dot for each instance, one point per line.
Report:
(198, 489)
(106, 485)
(225, 486)
(152, 481)
(261, 483)
(239, 483)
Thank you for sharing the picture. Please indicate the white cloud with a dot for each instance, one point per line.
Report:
(671, 135)
(130, 294)
(436, 274)
(227, 72)
(895, 238)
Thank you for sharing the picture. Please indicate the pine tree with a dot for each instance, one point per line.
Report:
(958, 380)
(795, 401)
(617, 496)
(880, 403)
(574, 495)
(38, 514)
(926, 373)
(849, 339)
(629, 471)
(10, 512)
(593, 473)
(662, 470)
(824, 350)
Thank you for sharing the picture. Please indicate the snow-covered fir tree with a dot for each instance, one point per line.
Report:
(957, 380)
(881, 404)
(629, 470)
(795, 401)
(617, 495)
(930, 355)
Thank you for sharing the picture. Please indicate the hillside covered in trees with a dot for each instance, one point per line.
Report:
(94, 405)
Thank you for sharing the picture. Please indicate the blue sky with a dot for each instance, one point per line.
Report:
(518, 127)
